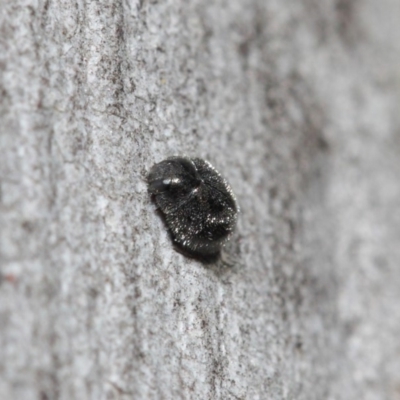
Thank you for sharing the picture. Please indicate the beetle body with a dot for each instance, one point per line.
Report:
(198, 204)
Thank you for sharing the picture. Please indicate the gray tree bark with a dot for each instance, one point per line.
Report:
(296, 103)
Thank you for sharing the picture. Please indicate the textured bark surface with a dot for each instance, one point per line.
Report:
(296, 103)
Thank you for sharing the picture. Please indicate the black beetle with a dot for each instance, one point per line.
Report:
(198, 204)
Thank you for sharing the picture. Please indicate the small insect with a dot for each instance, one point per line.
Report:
(198, 204)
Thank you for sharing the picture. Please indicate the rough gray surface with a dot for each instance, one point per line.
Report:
(296, 103)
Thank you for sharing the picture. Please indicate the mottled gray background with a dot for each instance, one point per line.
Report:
(296, 103)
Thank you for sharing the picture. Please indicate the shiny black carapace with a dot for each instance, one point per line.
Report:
(198, 204)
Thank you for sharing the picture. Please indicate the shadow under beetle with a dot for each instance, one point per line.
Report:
(198, 204)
